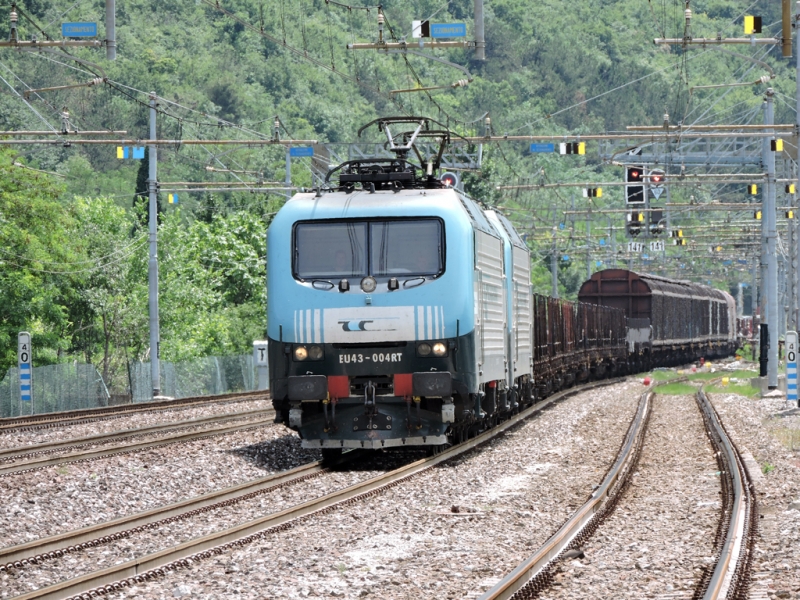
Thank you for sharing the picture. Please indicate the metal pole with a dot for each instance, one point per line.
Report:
(791, 263)
(480, 40)
(786, 28)
(740, 299)
(588, 248)
(613, 237)
(111, 29)
(795, 258)
(554, 271)
(762, 300)
(152, 272)
(772, 255)
(796, 254)
(754, 288)
(288, 171)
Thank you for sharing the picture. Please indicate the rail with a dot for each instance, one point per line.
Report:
(93, 440)
(731, 575)
(88, 415)
(144, 568)
(55, 546)
(94, 454)
(532, 575)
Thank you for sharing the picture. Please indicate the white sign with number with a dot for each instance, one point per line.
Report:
(791, 366)
(635, 246)
(657, 246)
(24, 364)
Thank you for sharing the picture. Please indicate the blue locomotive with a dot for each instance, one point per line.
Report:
(400, 312)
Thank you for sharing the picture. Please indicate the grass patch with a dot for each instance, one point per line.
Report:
(742, 389)
(767, 468)
(663, 375)
(676, 389)
(703, 376)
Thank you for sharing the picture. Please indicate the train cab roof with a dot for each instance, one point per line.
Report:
(446, 203)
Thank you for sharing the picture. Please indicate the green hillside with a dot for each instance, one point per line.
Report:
(552, 68)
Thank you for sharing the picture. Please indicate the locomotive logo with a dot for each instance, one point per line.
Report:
(358, 326)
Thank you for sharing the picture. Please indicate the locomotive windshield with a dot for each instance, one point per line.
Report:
(407, 247)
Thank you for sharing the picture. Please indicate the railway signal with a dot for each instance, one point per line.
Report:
(572, 148)
(656, 216)
(656, 181)
(593, 192)
(449, 180)
(752, 24)
(634, 194)
(635, 220)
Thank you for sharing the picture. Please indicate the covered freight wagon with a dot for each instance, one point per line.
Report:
(669, 321)
(575, 341)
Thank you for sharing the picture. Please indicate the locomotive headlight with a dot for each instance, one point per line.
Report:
(300, 353)
(439, 349)
(424, 349)
(315, 353)
(368, 284)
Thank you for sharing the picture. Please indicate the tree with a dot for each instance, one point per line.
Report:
(40, 262)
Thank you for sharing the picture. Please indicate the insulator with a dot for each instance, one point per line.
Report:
(666, 119)
(687, 14)
(14, 17)
(381, 19)
(764, 78)
(96, 81)
(461, 83)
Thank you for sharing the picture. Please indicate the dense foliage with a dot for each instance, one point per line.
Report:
(73, 268)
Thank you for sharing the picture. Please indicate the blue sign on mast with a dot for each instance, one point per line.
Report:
(79, 29)
(300, 151)
(446, 30)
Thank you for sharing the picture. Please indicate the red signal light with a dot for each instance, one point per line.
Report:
(634, 173)
(656, 179)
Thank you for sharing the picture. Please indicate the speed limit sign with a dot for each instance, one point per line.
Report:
(791, 366)
(24, 364)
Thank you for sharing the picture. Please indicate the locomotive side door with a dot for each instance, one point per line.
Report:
(489, 307)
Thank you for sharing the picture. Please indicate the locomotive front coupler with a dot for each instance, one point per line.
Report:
(370, 407)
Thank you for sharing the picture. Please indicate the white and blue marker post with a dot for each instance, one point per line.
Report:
(25, 370)
(791, 366)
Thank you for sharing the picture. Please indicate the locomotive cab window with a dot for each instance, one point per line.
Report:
(330, 250)
(388, 248)
(399, 248)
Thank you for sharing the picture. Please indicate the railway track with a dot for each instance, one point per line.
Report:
(42, 550)
(156, 564)
(90, 415)
(87, 447)
(9, 454)
(727, 578)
